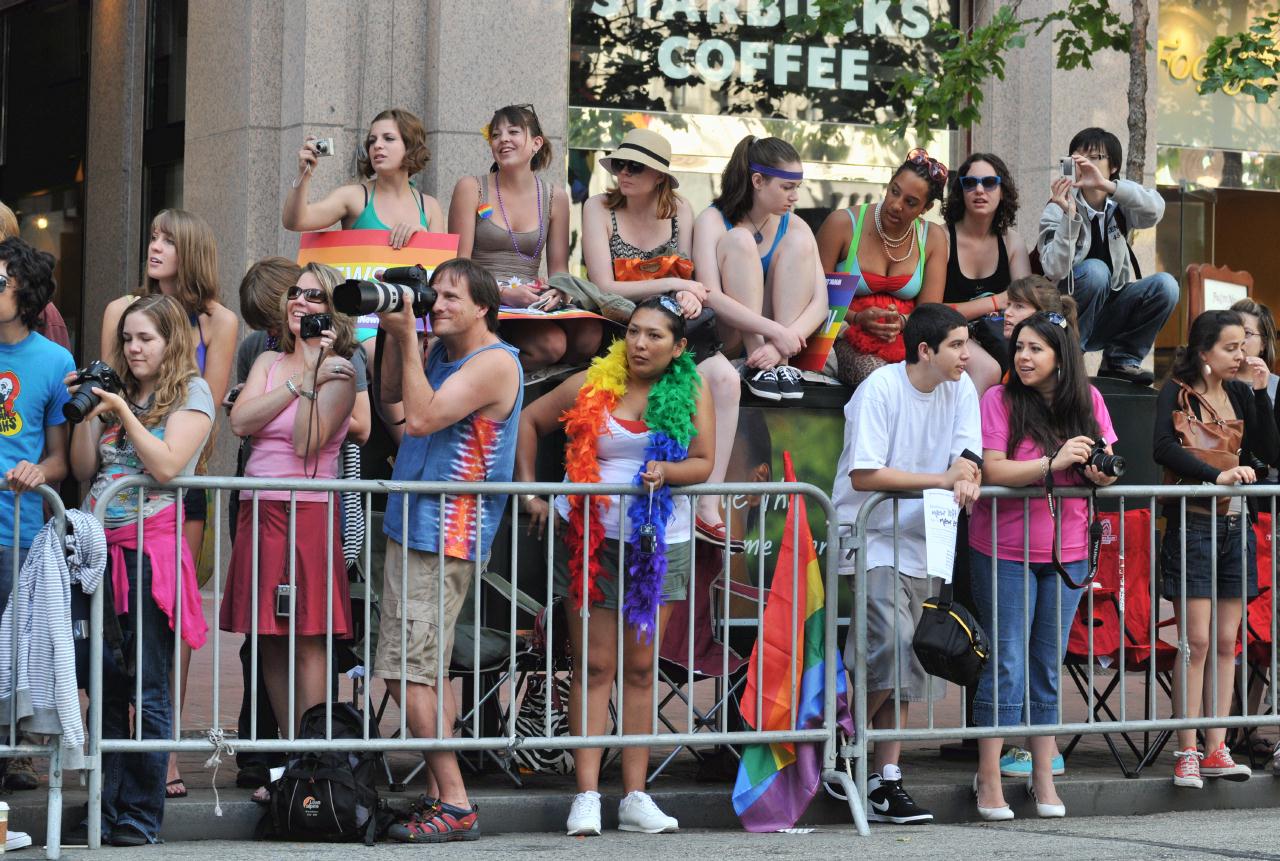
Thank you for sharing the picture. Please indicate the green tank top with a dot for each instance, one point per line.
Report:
(369, 220)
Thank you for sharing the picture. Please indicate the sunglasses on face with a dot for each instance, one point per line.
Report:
(619, 165)
(4, 282)
(969, 183)
(311, 294)
(937, 169)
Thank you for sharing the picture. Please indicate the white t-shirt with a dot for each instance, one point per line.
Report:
(891, 423)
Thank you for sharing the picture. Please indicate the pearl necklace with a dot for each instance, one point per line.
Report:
(895, 242)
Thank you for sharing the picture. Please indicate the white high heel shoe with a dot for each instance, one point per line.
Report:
(1045, 811)
(991, 814)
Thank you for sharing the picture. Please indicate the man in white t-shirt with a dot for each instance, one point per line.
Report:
(906, 427)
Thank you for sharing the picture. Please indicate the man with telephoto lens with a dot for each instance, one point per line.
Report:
(461, 418)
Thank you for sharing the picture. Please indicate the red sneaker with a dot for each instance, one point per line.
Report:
(438, 823)
(1220, 764)
(1186, 772)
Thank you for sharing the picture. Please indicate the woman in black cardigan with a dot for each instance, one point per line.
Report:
(1214, 366)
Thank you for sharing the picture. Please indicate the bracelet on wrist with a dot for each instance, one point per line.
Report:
(293, 389)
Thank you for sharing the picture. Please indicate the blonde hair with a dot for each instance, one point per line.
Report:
(344, 343)
(197, 254)
(177, 364)
(8, 223)
(668, 199)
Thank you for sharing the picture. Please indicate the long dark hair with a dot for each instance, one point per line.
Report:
(525, 117)
(1070, 414)
(1205, 332)
(737, 194)
(1006, 212)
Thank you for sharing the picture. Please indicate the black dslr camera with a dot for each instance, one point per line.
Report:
(99, 374)
(357, 297)
(1108, 464)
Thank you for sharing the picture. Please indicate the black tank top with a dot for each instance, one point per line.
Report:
(963, 289)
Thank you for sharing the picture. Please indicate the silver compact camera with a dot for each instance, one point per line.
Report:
(323, 146)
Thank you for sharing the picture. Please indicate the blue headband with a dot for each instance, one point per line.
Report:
(775, 171)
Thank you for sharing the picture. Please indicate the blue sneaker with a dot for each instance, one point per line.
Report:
(1017, 763)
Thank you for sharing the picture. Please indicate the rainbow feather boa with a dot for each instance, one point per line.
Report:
(669, 415)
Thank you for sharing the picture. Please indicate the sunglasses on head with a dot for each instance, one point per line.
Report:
(969, 183)
(1056, 319)
(670, 305)
(618, 165)
(937, 169)
(311, 294)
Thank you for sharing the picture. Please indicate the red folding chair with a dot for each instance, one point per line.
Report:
(1258, 615)
(1127, 585)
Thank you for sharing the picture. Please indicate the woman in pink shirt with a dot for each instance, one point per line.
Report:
(1039, 429)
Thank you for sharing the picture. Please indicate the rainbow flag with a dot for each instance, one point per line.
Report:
(776, 782)
(840, 289)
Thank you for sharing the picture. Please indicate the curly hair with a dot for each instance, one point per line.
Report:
(937, 185)
(412, 132)
(30, 276)
(177, 364)
(1006, 212)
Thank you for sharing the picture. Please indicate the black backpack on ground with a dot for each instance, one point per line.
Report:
(329, 796)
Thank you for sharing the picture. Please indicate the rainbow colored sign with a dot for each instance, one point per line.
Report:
(840, 289)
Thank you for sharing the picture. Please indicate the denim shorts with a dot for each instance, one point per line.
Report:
(1200, 556)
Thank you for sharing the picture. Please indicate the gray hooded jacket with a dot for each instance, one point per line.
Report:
(1064, 243)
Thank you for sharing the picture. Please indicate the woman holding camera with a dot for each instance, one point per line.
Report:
(509, 220)
(296, 406)
(1214, 380)
(1046, 427)
(639, 415)
(182, 262)
(394, 150)
(155, 425)
(636, 242)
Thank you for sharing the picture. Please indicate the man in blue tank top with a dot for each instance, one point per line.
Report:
(461, 419)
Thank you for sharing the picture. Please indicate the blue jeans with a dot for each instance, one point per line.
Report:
(1027, 648)
(133, 783)
(6, 572)
(1122, 323)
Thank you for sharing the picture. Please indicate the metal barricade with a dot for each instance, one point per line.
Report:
(14, 746)
(1136, 649)
(475, 737)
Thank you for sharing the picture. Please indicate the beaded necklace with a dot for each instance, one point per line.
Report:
(537, 249)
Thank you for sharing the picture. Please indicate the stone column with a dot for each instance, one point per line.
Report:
(113, 159)
(473, 69)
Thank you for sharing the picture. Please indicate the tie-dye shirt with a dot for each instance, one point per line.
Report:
(473, 449)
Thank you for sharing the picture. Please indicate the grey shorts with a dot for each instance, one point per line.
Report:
(675, 587)
(885, 631)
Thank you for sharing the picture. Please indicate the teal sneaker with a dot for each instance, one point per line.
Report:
(1017, 763)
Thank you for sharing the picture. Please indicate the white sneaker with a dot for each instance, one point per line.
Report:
(584, 815)
(17, 840)
(637, 812)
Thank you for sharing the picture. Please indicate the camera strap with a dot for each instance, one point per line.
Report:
(1095, 531)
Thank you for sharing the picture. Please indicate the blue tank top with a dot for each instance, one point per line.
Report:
(200, 348)
(473, 449)
(777, 237)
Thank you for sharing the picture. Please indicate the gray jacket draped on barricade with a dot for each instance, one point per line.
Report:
(47, 695)
(587, 296)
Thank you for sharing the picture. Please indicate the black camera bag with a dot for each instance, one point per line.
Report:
(949, 642)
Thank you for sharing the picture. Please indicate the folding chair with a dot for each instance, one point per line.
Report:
(1128, 586)
(1258, 656)
(712, 659)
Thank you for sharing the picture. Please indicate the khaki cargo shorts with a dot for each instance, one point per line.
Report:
(420, 610)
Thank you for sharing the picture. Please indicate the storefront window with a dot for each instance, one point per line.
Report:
(162, 142)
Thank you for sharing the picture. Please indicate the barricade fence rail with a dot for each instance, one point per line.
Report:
(12, 742)
(490, 680)
(1153, 651)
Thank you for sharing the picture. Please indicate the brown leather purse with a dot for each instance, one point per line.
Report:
(1211, 438)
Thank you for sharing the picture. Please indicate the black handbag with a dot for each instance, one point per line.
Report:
(949, 642)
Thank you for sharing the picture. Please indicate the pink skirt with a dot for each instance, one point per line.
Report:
(310, 570)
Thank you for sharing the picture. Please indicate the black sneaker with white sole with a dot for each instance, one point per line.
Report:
(889, 802)
(763, 383)
(790, 382)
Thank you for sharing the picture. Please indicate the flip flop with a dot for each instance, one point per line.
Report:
(169, 791)
(716, 535)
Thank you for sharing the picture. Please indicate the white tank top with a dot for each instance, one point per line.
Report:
(621, 454)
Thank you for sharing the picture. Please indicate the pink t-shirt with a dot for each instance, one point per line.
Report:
(1075, 512)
